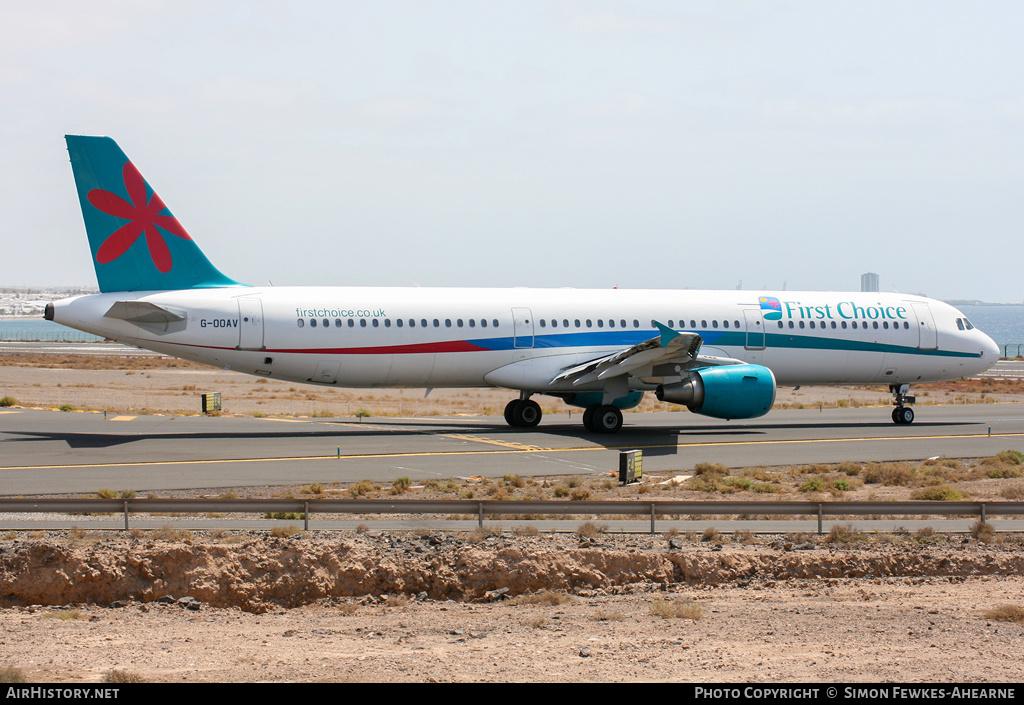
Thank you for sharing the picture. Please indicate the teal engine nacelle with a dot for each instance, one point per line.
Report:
(727, 392)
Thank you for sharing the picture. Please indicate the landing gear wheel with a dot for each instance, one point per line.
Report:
(510, 412)
(523, 413)
(903, 415)
(607, 419)
(588, 418)
(527, 413)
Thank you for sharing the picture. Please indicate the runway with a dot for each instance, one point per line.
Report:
(52, 452)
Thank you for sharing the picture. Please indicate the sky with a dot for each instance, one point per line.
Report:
(638, 144)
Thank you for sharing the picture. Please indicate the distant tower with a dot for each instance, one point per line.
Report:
(869, 281)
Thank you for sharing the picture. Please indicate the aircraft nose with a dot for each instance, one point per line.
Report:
(989, 351)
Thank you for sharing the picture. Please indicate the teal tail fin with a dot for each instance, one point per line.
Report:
(137, 245)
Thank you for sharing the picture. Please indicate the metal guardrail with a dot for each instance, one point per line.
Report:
(482, 508)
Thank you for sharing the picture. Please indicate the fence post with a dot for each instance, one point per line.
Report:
(652, 517)
(819, 520)
(126, 515)
(983, 513)
(480, 514)
(305, 516)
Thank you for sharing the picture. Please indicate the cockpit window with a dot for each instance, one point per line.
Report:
(970, 326)
(960, 324)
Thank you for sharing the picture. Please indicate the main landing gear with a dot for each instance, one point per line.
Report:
(602, 418)
(902, 415)
(523, 413)
(598, 418)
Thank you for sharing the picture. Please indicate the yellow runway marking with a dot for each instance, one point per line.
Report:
(510, 450)
(504, 444)
(122, 418)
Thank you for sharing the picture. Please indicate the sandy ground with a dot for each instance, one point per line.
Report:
(620, 609)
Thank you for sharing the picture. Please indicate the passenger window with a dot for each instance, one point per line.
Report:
(494, 323)
(577, 323)
(351, 323)
(458, 323)
(543, 323)
(589, 324)
(736, 324)
(423, 322)
(362, 323)
(337, 323)
(844, 325)
(437, 323)
(376, 323)
(327, 324)
(622, 323)
(387, 322)
(874, 324)
(671, 323)
(780, 324)
(600, 323)
(447, 323)
(301, 322)
(611, 322)
(312, 323)
(801, 324)
(472, 323)
(812, 324)
(483, 322)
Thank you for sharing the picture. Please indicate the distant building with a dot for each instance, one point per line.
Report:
(869, 281)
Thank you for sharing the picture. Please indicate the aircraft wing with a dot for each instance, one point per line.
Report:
(670, 347)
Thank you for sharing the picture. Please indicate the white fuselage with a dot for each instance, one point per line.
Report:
(522, 338)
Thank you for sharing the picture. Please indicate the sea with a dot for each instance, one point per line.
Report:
(1004, 322)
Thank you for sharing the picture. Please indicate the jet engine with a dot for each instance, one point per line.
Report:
(726, 392)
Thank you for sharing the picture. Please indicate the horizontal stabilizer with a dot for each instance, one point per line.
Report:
(143, 312)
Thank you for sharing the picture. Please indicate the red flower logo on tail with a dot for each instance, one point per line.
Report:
(143, 218)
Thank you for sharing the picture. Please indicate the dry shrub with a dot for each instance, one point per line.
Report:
(590, 530)
(684, 608)
(544, 597)
(889, 474)
(845, 533)
(940, 493)
(983, 531)
(1006, 613)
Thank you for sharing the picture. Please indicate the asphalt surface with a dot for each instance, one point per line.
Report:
(52, 452)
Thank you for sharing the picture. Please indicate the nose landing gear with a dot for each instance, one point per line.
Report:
(902, 414)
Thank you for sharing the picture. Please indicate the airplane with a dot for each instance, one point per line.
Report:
(721, 354)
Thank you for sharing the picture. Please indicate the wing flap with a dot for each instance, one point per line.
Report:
(668, 347)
